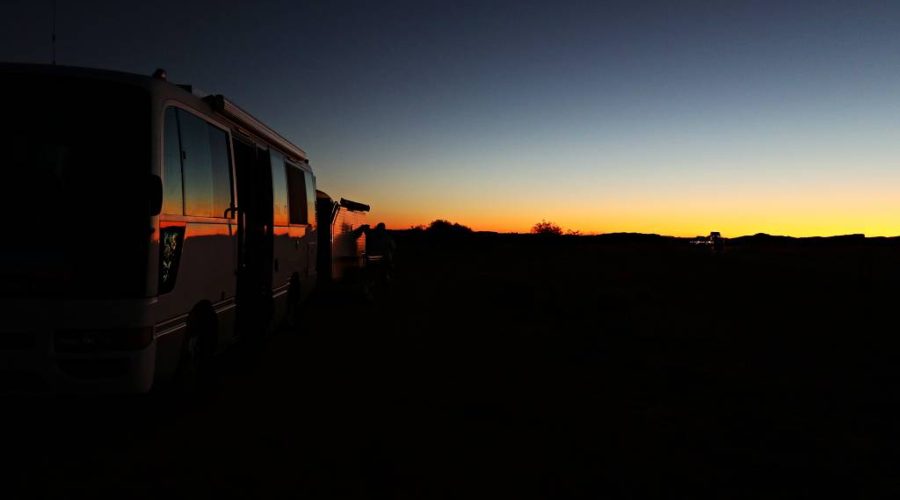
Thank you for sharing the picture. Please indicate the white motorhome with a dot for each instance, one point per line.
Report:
(149, 227)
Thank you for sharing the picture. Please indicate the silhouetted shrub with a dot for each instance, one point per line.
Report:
(546, 228)
(445, 227)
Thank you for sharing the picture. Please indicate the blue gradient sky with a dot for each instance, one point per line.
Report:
(742, 117)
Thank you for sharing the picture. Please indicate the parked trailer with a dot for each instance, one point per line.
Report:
(342, 238)
(156, 226)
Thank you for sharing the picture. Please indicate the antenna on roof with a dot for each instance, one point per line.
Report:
(53, 35)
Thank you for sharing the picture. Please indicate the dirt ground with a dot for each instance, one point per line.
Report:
(520, 367)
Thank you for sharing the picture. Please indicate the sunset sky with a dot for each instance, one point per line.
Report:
(670, 117)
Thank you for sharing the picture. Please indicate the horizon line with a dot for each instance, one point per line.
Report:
(636, 233)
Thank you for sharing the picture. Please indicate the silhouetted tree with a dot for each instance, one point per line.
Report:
(546, 228)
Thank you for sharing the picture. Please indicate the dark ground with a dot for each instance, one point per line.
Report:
(521, 367)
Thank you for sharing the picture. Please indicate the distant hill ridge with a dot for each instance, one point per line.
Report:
(625, 237)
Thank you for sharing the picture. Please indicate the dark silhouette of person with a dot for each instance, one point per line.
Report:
(380, 249)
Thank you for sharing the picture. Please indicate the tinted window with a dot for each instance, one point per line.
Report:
(279, 189)
(207, 185)
(172, 194)
(198, 176)
(310, 198)
(218, 142)
(297, 194)
(75, 167)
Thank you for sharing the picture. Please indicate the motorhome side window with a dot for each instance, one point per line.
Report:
(310, 198)
(221, 167)
(172, 194)
(297, 194)
(205, 163)
(279, 190)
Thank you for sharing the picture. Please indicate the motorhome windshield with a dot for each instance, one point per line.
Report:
(74, 188)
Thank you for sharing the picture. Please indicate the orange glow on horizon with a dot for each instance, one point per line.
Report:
(833, 212)
(792, 200)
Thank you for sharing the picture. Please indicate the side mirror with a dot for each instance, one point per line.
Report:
(155, 194)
